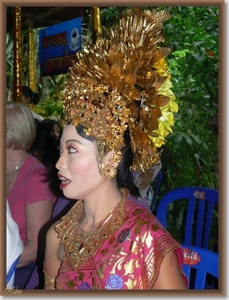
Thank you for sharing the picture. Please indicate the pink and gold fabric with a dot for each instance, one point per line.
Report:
(125, 252)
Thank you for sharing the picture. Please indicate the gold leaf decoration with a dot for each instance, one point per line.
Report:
(125, 75)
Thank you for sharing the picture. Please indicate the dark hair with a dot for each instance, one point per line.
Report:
(80, 130)
(47, 125)
(124, 175)
(46, 145)
(28, 93)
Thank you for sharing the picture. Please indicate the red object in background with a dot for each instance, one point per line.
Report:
(191, 257)
(209, 53)
(199, 195)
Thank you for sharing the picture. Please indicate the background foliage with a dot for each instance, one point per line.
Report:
(190, 157)
(192, 150)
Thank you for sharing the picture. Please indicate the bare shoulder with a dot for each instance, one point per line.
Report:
(53, 245)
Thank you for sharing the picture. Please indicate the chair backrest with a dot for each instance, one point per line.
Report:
(201, 202)
(204, 261)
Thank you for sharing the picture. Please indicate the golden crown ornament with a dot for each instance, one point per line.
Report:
(117, 83)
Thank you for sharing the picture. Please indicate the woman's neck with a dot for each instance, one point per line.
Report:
(98, 208)
(15, 159)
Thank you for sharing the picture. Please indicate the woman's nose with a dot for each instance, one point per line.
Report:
(61, 164)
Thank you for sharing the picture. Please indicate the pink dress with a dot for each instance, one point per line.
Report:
(29, 188)
(125, 252)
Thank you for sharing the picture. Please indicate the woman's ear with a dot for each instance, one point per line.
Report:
(108, 159)
(109, 166)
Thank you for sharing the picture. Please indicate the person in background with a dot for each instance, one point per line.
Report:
(30, 198)
(31, 98)
(106, 240)
(45, 149)
(49, 126)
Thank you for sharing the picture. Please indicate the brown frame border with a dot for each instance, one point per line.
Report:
(101, 294)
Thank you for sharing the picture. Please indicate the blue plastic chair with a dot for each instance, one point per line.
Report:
(204, 261)
(200, 206)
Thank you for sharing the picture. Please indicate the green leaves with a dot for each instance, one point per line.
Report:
(190, 156)
(190, 139)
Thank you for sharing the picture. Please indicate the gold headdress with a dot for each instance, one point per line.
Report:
(121, 82)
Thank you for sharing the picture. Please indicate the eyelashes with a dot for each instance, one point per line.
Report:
(70, 149)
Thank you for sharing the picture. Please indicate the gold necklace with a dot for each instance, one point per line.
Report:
(80, 246)
(18, 166)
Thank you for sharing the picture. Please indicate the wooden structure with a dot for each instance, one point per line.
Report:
(43, 16)
(29, 17)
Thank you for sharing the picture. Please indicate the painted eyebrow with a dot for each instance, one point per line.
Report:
(73, 140)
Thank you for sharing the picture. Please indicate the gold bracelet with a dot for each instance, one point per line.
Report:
(49, 280)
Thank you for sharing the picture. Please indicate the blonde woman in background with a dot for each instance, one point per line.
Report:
(30, 199)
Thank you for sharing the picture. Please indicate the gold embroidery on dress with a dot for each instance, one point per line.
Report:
(79, 246)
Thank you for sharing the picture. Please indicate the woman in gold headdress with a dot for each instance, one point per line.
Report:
(116, 102)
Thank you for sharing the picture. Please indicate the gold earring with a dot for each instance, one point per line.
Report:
(109, 171)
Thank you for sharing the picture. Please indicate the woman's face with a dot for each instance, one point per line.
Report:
(25, 100)
(77, 165)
